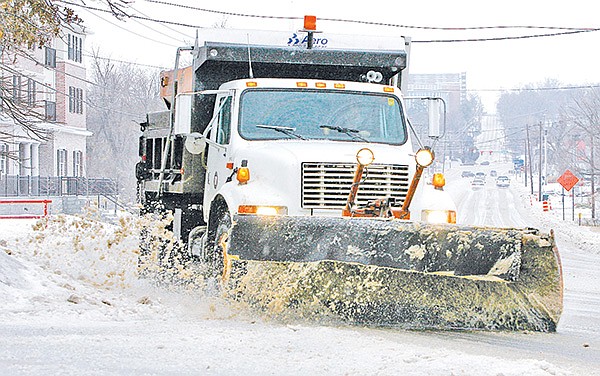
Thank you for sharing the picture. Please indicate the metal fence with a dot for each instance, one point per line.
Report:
(18, 186)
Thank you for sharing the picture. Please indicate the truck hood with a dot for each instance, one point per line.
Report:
(296, 152)
(276, 167)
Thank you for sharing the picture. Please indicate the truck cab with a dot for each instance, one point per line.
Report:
(298, 140)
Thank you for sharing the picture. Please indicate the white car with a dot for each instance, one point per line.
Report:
(477, 184)
(503, 181)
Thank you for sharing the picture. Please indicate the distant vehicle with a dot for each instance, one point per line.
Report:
(480, 175)
(485, 163)
(477, 184)
(503, 181)
(467, 174)
(493, 173)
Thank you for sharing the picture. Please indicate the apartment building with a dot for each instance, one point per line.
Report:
(46, 85)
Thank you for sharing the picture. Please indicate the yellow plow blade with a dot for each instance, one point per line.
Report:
(396, 273)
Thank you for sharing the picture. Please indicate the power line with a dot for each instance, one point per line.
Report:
(43, 84)
(568, 30)
(548, 88)
(130, 31)
(371, 23)
(166, 27)
(33, 59)
(490, 39)
(123, 61)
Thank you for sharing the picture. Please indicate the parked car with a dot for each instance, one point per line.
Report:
(485, 163)
(503, 181)
(480, 175)
(467, 174)
(477, 184)
(493, 173)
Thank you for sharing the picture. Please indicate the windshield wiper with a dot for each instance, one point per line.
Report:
(285, 130)
(349, 131)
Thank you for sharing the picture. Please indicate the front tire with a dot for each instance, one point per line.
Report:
(218, 242)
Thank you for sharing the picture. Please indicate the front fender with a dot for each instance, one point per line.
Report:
(252, 193)
(429, 198)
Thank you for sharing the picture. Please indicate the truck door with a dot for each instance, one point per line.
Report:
(219, 156)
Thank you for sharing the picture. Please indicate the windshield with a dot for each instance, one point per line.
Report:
(323, 115)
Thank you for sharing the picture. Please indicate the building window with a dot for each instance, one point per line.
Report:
(50, 111)
(75, 100)
(79, 101)
(3, 158)
(50, 57)
(74, 47)
(16, 89)
(77, 163)
(30, 92)
(61, 162)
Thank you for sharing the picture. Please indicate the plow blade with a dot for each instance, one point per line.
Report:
(397, 273)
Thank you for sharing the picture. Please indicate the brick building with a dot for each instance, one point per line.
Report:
(50, 82)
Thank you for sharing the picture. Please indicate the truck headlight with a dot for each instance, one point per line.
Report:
(424, 157)
(365, 157)
(438, 216)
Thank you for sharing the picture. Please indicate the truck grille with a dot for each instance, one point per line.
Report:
(326, 185)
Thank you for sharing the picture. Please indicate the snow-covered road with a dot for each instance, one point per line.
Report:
(577, 341)
(71, 304)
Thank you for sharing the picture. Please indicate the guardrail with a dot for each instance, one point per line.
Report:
(44, 202)
(19, 186)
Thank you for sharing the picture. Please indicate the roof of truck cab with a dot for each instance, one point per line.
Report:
(293, 83)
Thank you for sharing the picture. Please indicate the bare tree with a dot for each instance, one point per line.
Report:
(123, 93)
(584, 114)
(25, 24)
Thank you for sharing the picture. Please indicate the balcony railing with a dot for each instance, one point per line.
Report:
(16, 186)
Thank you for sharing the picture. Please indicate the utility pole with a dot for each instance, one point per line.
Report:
(529, 156)
(525, 164)
(593, 167)
(546, 155)
(540, 167)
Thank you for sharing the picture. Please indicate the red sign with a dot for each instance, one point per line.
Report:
(568, 180)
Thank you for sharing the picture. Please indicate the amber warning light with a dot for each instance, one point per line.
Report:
(310, 23)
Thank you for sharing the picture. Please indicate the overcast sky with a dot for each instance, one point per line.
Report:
(491, 66)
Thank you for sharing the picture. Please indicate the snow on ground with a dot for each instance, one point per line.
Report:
(73, 303)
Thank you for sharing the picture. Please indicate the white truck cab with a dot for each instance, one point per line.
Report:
(299, 138)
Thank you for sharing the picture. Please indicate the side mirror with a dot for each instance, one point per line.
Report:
(435, 118)
(195, 143)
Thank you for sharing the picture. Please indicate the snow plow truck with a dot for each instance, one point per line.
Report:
(291, 170)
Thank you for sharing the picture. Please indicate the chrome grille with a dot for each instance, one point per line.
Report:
(326, 185)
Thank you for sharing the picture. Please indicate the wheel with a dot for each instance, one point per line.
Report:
(217, 246)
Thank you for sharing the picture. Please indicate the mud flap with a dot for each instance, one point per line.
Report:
(389, 272)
